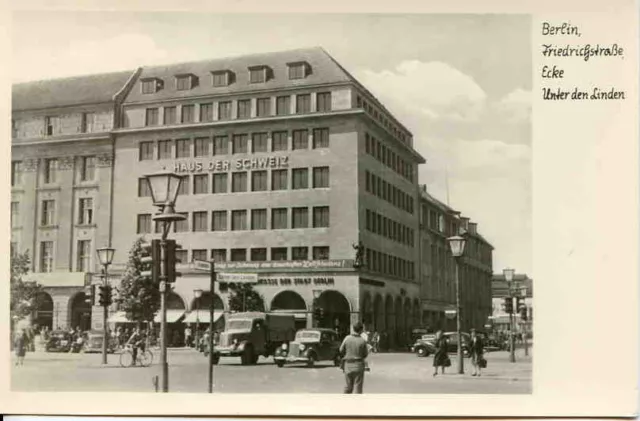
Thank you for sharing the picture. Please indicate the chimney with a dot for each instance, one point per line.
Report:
(473, 228)
(424, 187)
(464, 223)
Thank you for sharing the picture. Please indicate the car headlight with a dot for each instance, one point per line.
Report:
(302, 347)
(284, 347)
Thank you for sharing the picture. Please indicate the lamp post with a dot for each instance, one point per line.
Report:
(508, 276)
(197, 293)
(105, 255)
(523, 319)
(457, 250)
(164, 187)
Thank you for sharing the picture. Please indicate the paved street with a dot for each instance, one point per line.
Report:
(390, 373)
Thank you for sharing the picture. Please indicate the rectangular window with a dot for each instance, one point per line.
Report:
(84, 256)
(144, 224)
(48, 212)
(297, 71)
(279, 180)
(244, 108)
(324, 101)
(145, 152)
(220, 145)
(15, 214)
(219, 221)
(321, 216)
(300, 218)
(238, 255)
(46, 256)
(220, 183)
(164, 149)
(259, 255)
(300, 139)
(258, 219)
(321, 253)
(201, 183)
(279, 141)
(279, 218)
(240, 143)
(220, 79)
(299, 253)
(85, 211)
(303, 103)
(16, 173)
(201, 147)
(239, 182)
(258, 75)
(184, 186)
(170, 115)
(88, 122)
(259, 142)
(283, 105)
(259, 181)
(320, 138)
(50, 166)
(200, 221)
(300, 178)
(320, 177)
(188, 113)
(183, 148)
(206, 112)
(219, 255)
(183, 83)
(264, 107)
(149, 86)
(278, 253)
(151, 117)
(199, 254)
(238, 220)
(51, 124)
(224, 110)
(182, 225)
(87, 168)
(181, 256)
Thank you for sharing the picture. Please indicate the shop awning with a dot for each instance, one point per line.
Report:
(119, 317)
(172, 316)
(202, 316)
(298, 314)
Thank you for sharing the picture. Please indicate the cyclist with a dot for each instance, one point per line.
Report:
(137, 342)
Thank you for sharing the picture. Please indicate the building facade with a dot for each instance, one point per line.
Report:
(288, 163)
(521, 286)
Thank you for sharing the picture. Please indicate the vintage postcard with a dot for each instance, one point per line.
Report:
(282, 207)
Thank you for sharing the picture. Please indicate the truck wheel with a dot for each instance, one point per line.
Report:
(280, 364)
(312, 360)
(247, 356)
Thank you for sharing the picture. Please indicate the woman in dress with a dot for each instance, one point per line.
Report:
(20, 346)
(440, 358)
(476, 349)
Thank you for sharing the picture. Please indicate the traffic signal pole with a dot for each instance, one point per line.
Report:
(163, 311)
(212, 283)
(105, 316)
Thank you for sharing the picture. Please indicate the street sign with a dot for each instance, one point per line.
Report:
(202, 265)
(238, 278)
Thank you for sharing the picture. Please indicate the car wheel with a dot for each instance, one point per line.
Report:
(280, 364)
(312, 360)
(247, 356)
(421, 352)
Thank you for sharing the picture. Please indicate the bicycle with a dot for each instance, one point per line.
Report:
(144, 358)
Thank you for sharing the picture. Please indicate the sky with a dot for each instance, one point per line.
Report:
(460, 83)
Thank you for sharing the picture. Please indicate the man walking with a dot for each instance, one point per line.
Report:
(354, 351)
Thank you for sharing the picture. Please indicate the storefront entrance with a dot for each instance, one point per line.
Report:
(43, 315)
(80, 312)
(336, 312)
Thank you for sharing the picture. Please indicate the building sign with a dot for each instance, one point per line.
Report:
(223, 165)
(287, 264)
(237, 278)
(287, 282)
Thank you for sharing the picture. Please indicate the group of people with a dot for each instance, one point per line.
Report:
(475, 348)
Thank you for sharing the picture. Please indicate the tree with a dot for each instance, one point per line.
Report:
(23, 294)
(138, 296)
(242, 297)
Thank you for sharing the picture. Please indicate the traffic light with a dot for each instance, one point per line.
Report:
(171, 260)
(508, 305)
(105, 295)
(150, 261)
(522, 309)
(90, 294)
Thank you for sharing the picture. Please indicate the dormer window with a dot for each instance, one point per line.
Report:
(222, 78)
(186, 81)
(258, 74)
(299, 70)
(151, 85)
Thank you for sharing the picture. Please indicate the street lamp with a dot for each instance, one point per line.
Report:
(105, 256)
(508, 276)
(164, 187)
(197, 293)
(457, 250)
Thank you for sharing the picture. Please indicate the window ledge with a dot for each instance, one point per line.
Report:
(17, 189)
(86, 226)
(51, 187)
(48, 227)
(87, 185)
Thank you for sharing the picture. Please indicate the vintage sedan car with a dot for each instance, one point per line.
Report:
(59, 341)
(310, 346)
(93, 342)
(423, 346)
(453, 342)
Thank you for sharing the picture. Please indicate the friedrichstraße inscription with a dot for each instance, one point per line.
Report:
(193, 166)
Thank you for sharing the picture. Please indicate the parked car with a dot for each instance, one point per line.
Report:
(453, 342)
(310, 346)
(424, 345)
(59, 341)
(93, 342)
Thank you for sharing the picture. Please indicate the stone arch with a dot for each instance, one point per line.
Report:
(204, 302)
(174, 302)
(80, 312)
(288, 300)
(378, 313)
(336, 310)
(43, 314)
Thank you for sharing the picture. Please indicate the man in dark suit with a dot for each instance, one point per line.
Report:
(476, 349)
(354, 351)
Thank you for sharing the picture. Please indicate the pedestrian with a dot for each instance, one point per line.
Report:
(354, 352)
(137, 341)
(441, 357)
(20, 346)
(187, 336)
(375, 342)
(476, 350)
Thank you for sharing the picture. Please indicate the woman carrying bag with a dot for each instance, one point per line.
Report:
(476, 351)
(441, 357)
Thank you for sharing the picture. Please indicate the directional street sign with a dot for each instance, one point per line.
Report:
(236, 278)
(202, 265)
